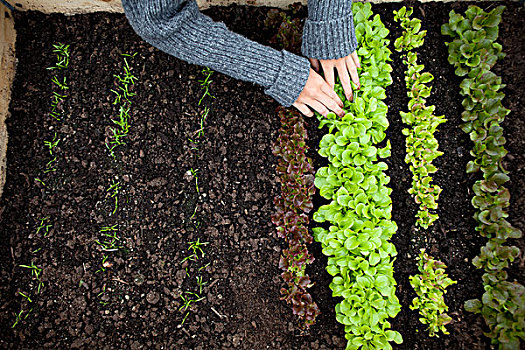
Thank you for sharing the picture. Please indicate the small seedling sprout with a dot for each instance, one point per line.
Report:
(194, 173)
(102, 268)
(25, 296)
(114, 189)
(44, 226)
(18, 318)
(200, 283)
(35, 270)
(52, 144)
(62, 54)
(62, 85)
(205, 83)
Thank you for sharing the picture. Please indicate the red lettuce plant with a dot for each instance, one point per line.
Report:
(473, 52)
(295, 173)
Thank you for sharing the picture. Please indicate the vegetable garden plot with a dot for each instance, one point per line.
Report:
(197, 263)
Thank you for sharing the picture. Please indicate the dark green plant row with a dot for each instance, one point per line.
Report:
(473, 52)
(292, 206)
(421, 145)
(357, 242)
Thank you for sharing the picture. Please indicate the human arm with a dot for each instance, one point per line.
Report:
(178, 28)
(329, 41)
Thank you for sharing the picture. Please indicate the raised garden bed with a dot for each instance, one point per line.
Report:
(196, 182)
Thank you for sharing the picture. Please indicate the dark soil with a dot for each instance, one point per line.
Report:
(136, 302)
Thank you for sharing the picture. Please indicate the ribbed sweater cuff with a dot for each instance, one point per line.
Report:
(290, 80)
(329, 39)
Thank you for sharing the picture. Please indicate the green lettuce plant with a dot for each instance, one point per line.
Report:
(421, 145)
(358, 216)
(473, 52)
(430, 286)
(292, 205)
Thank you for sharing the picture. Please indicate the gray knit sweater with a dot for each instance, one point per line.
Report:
(178, 28)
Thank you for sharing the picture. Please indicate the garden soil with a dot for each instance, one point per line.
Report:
(217, 190)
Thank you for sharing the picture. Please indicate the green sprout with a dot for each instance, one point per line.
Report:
(203, 267)
(56, 99)
(36, 272)
(114, 189)
(199, 133)
(44, 226)
(194, 212)
(50, 166)
(188, 302)
(205, 83)
(104, 264)
(194, 173)
(111, 244)
(123, 95)
(200, 283)
(52, 144)
(62, 85)
(25, 296)
(18, 318)
(195, 247)
(62, 54)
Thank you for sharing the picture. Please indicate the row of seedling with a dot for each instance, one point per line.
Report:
(473, 52)
(59, 86)
(195, 260)
(292, 206)
(422, 148)
(205, 84)
(357, 242)
(110, 238)
(58, 97)
(421, 145)
(123, 92)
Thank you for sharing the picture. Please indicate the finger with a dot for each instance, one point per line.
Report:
(328, 102)
(350, 65)
(345, 80)
(318, 106)
(355, 58)
(332, 94)
(304, 109)
(329, 74)
(315, 63)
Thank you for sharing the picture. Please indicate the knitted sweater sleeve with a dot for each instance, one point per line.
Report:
(178, 28)
(329, 30)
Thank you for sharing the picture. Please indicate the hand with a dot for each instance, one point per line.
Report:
(344, 65)
(318, 95)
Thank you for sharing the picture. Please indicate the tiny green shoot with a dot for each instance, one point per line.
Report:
(44, 226)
